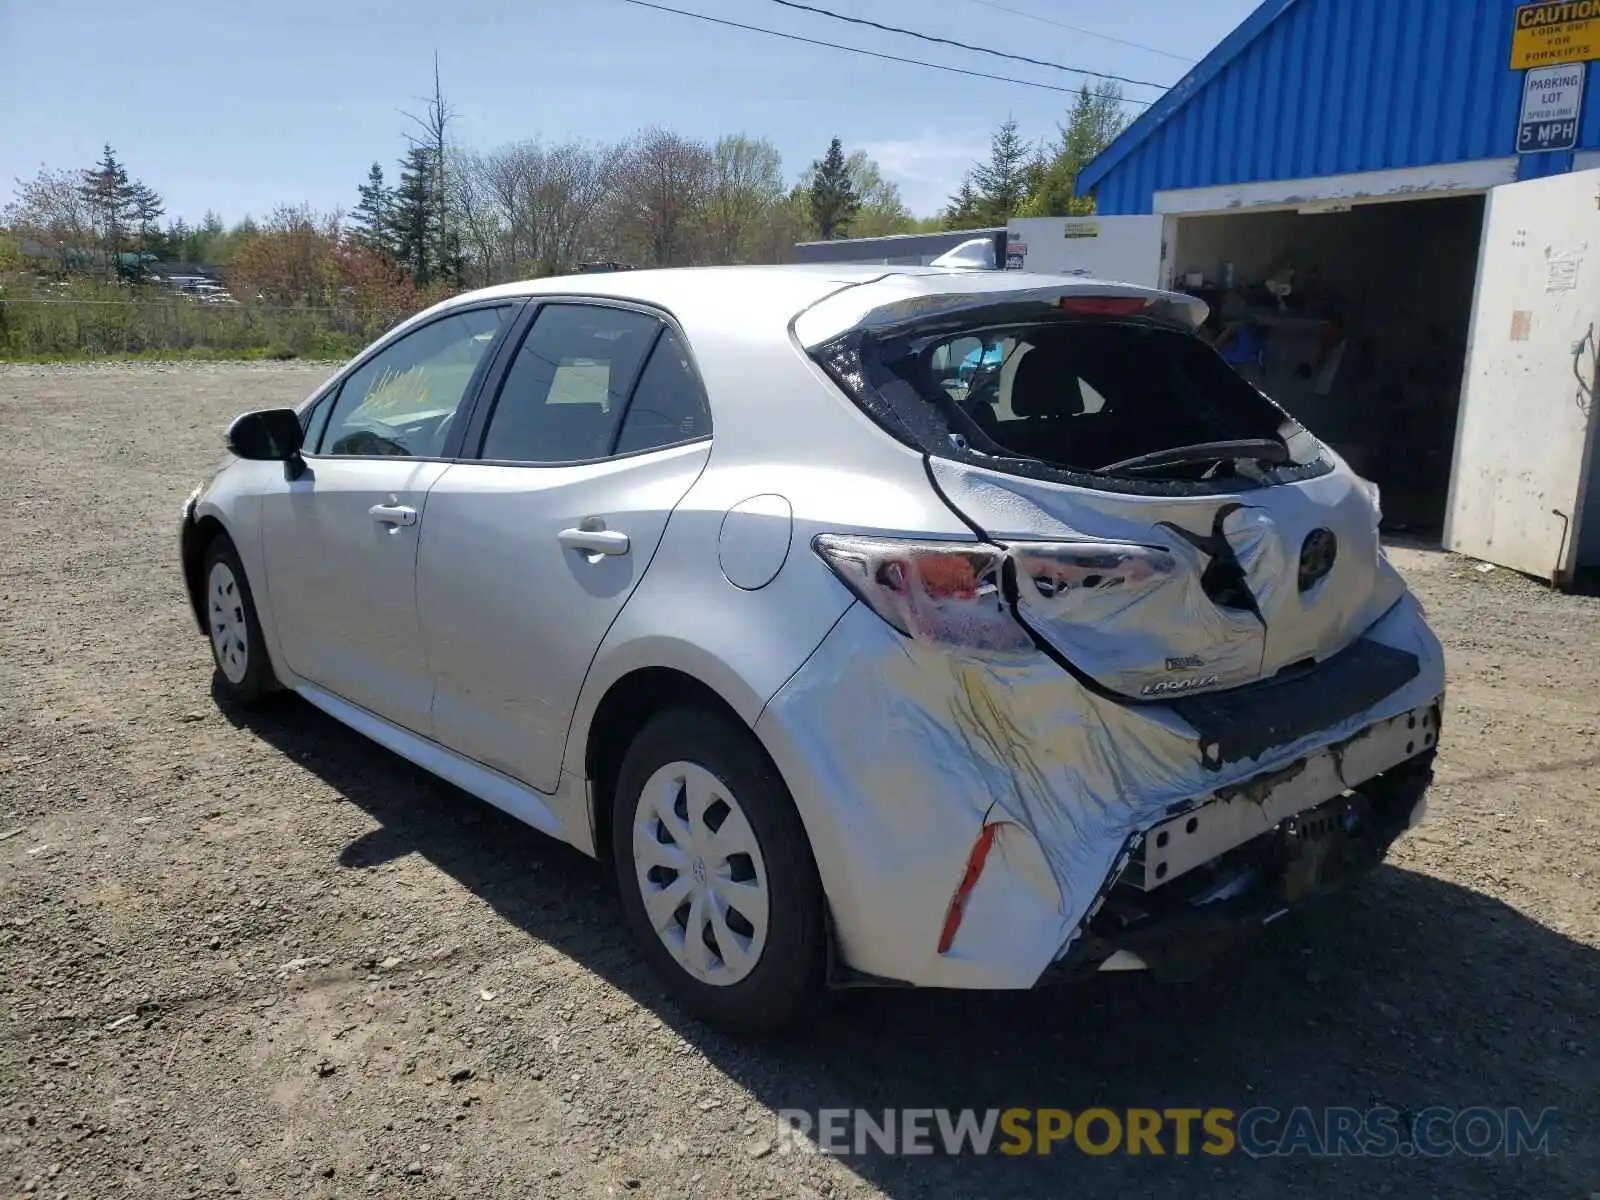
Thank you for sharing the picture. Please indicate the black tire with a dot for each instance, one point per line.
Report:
(256, 681)
(788, 975)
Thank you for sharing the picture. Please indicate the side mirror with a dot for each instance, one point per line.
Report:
(272, 435)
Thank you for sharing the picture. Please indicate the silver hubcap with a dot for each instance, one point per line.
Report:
(230, 634)
(700, 873)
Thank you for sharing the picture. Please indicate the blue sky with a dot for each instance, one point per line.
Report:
(237, 107)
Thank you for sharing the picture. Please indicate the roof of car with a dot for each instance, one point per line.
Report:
(788, 281)
(833, 296)
(664, 286)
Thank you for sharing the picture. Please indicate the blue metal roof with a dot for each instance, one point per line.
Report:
(1306, 88)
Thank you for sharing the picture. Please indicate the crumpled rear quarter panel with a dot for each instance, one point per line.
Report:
(899, 753)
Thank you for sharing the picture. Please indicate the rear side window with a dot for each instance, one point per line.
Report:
(668, 406)
(564, 395)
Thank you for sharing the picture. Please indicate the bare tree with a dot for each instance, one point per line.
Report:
(433, 139)
(49, 209)
(574, 185)
(664, 180)
(477, 217)
(501, 179)
(527, 209)
(746, 181)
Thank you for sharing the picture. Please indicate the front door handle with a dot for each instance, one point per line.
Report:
(594, 541)
(393, 514)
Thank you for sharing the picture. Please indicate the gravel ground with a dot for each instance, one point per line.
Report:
(259, 956)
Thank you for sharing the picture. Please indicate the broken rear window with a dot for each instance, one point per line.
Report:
(1130, 398)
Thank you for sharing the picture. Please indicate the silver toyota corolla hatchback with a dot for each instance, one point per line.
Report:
(880, 626)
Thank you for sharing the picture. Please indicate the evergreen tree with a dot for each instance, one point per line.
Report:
(965, 207)
(146, 209)
(1095, 120)
(1001, 183)
(834, 202)
(415, 225)
(203, 240)
(179, 239)
(108, 194)
(373, 219)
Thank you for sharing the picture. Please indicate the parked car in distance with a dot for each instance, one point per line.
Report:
(852, 673)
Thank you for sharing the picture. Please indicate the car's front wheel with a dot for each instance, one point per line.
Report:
(716, 873)
(237, 646)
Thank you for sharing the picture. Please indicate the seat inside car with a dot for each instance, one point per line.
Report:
(1044, 387)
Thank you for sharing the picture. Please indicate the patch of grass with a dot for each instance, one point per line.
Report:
(189, 354)
(98, 321)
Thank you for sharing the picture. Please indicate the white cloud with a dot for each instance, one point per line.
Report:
(929, 166)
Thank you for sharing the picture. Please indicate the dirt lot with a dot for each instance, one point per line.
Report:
(259, 956)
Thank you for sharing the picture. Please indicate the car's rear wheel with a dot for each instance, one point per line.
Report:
(716, 873)
(237, 647)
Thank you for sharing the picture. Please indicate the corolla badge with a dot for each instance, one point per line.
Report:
(1171, 687)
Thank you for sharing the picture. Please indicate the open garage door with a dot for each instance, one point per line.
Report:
(1525, 437)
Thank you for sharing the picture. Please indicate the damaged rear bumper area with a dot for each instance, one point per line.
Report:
(983, 820)
(1174, 924)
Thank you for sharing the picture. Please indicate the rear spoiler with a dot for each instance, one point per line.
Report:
(868, 308)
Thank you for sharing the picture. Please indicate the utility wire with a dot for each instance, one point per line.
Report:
(915, 62)
(943, 41)
(1028, 16)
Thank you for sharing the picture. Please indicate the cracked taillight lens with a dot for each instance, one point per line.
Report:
(948, 593)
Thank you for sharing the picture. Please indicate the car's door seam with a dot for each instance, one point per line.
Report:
(666, 529)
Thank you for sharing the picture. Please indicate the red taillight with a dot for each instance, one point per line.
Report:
(944, 593)
(958, 902)
(1103, 306)
(949, 575)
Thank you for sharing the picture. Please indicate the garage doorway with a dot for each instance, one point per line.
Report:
(1355, 319)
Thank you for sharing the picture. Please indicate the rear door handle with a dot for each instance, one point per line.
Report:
(594, 541)
(393, 514)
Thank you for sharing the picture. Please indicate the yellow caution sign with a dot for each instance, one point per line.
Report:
(1547, 34)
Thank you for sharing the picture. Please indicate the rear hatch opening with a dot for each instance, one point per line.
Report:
(1093, 391)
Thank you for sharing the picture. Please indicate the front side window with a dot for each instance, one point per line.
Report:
(564, 395)
(404, 400)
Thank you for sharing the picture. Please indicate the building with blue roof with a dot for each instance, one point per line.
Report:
(1393, 210)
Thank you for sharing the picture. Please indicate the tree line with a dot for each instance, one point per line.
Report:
(658, 199)
(458, 217)
(100, 219)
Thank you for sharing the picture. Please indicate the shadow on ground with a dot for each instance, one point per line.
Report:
(1405, 992)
